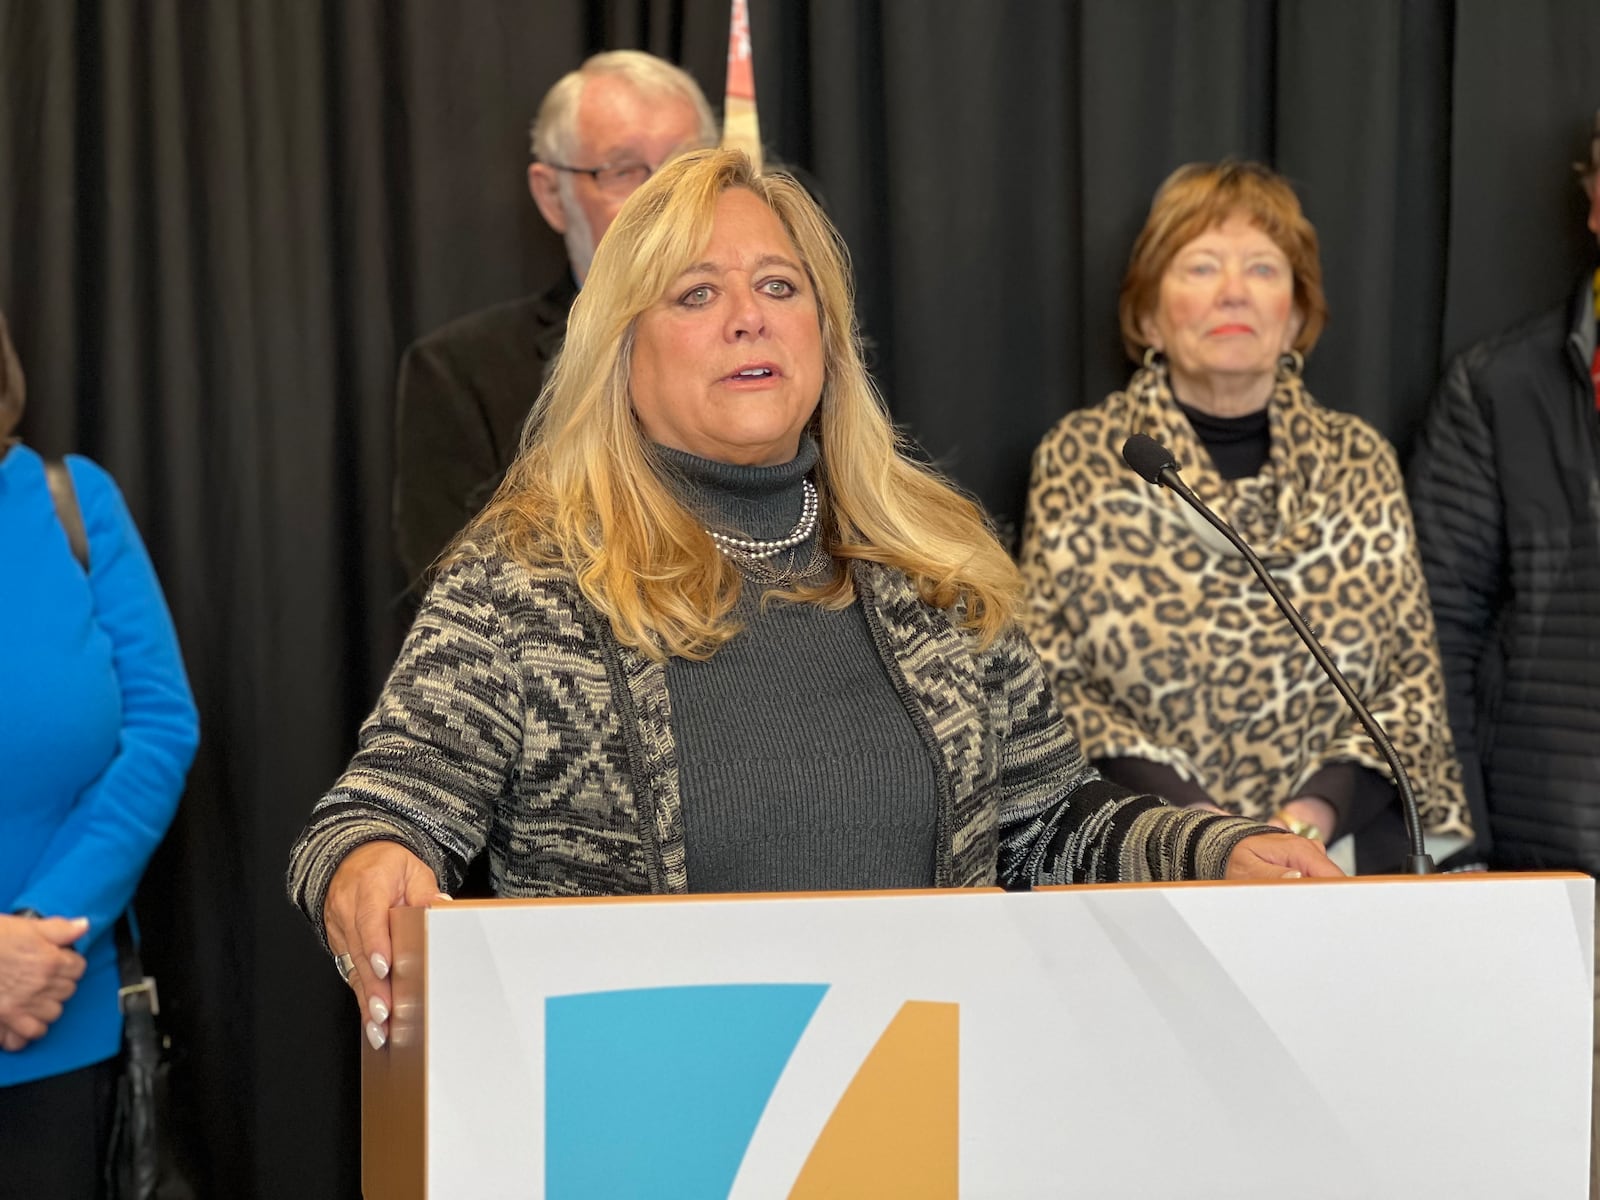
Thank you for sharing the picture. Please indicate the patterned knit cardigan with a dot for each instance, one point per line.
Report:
(513, 717)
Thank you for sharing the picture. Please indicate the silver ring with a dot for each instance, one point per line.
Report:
(345, 965)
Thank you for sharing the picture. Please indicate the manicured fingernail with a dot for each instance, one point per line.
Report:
(1291, 875)
(375, 1035)
(380, 966)
(378, 1009)
(442, 896)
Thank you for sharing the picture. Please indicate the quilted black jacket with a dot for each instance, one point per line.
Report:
(1505, 485)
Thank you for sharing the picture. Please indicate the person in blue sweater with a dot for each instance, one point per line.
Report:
(97, 730)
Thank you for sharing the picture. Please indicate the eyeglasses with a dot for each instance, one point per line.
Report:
(614, 179)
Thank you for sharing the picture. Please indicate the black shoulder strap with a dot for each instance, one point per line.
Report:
(65, 498)
(68, 513)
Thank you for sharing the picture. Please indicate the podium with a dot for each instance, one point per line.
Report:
(1396, 1037)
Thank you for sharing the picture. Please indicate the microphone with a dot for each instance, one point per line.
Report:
(1154, 462)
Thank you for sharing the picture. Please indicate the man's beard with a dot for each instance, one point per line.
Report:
(579, 238)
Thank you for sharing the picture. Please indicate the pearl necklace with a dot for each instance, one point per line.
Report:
(756, 548)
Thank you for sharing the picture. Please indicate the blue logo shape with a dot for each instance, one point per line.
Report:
(656, 1092)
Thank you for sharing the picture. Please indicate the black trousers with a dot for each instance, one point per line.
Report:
(53, 1134)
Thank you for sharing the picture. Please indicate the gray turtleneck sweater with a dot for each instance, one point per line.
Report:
(800, 768)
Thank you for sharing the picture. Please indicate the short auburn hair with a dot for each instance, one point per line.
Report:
(1201, 196)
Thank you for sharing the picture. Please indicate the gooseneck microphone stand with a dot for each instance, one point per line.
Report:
(1155, 463)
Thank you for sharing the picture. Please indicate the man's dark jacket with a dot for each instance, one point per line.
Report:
(1505, 484)
(464, 392)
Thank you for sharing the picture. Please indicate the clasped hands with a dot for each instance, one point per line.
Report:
(39, 971)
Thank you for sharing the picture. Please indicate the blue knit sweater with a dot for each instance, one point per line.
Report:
(97, 730)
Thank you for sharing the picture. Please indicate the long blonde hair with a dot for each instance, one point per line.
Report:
(585, 491)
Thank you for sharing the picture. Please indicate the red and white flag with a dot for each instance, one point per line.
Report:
(741, 127)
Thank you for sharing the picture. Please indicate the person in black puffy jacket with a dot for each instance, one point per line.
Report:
(1505, 487)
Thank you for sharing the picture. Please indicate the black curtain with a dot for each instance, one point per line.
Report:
(221, 222)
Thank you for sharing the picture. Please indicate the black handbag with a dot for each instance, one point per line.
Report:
(141, 1163)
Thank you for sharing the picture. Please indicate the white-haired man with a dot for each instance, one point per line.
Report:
(465, 390)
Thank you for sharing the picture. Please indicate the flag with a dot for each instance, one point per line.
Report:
(741, 128)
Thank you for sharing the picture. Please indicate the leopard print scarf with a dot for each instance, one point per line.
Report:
(1161, 642)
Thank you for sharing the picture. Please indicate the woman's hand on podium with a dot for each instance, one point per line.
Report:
(372, 879)
(1265, 856)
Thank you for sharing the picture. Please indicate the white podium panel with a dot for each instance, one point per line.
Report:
(1360, 1038)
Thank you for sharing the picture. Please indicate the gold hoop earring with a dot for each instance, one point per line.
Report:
(1154, 360)
(1292, 362)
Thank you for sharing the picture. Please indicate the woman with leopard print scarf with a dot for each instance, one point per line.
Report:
(1169, 659)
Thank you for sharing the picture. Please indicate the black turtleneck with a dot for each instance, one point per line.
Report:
(1238, 445)
(799, 767)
